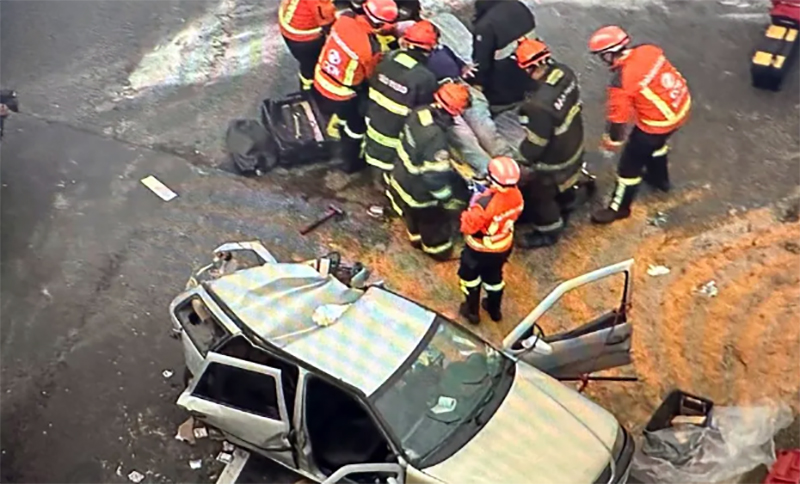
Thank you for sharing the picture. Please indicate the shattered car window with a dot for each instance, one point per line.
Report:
(447, 385)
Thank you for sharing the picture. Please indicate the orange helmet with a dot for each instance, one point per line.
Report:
(422, 34)
(504, 171)
(609, 39)
(380, 12)
(531, 53)
(453, 97)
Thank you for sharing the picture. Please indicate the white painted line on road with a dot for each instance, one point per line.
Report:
(159, 188)
(231, 472)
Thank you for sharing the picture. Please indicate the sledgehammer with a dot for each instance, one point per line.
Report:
(333, 211)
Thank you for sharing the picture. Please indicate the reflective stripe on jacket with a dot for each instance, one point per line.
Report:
(649, 88)
(347, 59)
(303, 20)
(488, 224)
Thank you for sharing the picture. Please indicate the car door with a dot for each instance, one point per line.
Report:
(389, 473)
(243, 399)
(599, 344)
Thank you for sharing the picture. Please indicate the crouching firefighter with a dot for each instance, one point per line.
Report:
(347, 60)
(303, 25)
(423, 187)
(553, 144)
(647, 86)
(401, 82)
(488, 228)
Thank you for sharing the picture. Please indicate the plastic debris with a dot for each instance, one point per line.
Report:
(658, 220)
(228, 447)
(225, 457)
(167, 373)
(185, 433)
(709, 289)
(200, 433)
(136, 477)
(196, 464)
(376, 211)
(163, 191)
(656, 271)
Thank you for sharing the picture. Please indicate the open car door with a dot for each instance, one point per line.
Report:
(389, 473)
(242, 399)
(597, 345)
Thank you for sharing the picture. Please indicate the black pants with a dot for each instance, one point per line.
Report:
(482, 268)
(306, 54)
(352, 129)
(643, 152)
(430, 228)
(542, 209)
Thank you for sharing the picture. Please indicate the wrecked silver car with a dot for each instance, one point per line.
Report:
(342, 381)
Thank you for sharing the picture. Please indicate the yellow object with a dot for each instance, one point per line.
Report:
(776, 32)
(778, 61)
(333, 127)
(762, 58)
(791, 36)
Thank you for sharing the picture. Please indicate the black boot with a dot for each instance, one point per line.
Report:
(352, 157)
(620, 206)
(469, 309)
(536, 239)
(491, 304)
(657, 175)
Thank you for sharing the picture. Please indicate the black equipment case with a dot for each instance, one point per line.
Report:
(776, 53)
(297, 130)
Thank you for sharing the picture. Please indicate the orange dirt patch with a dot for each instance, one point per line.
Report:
(733, 348)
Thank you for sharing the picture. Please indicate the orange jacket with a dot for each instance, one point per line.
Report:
(303, 20)
(647, 86)
(348, 58)
(488, 223)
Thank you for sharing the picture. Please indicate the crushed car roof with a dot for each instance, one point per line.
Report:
(368, 342)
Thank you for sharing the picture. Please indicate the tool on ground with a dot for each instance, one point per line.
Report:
(333, 211)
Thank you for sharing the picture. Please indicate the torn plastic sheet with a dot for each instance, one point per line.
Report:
(738, 440)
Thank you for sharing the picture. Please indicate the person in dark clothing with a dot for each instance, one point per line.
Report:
(400, 83)
(553, 146)
(498, 25)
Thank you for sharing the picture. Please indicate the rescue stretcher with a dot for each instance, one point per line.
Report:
(777, 50)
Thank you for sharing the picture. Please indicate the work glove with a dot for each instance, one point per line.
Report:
(609, 145)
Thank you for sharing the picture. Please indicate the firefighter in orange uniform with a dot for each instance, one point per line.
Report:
(346, 62)
(488, 228)
(645, 86)
(303, 25)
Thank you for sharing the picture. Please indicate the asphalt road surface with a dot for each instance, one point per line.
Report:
(91, 259)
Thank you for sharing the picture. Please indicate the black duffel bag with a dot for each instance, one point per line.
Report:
(250, 147)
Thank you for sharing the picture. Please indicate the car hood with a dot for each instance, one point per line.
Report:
(535, 435)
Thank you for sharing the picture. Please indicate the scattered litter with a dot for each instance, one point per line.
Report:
(185, 433)
(225, 457)
(658, 220)
(196, 464)
(136, 477)
(200, 433)
(376, 211)
(119, 470)
(159, 188)
(46, 293)
(167, 373)
(707, 186)
(228, 447)
(709, 289)
(656, 271)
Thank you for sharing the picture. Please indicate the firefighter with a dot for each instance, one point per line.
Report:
(553, 146)
(303, 25)
(347, 60)
(488, 228)
(423, 188)
(498, 26)
(646, 86)
(400, 83)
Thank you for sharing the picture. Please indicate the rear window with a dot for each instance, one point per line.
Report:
(199, 323)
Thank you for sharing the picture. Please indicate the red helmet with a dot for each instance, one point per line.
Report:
(531, 53)
(422, 34)
(381, 12)
(504, 171)
(608, 39)
(453, 97)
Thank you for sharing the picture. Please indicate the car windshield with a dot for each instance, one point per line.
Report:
(447, 384)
